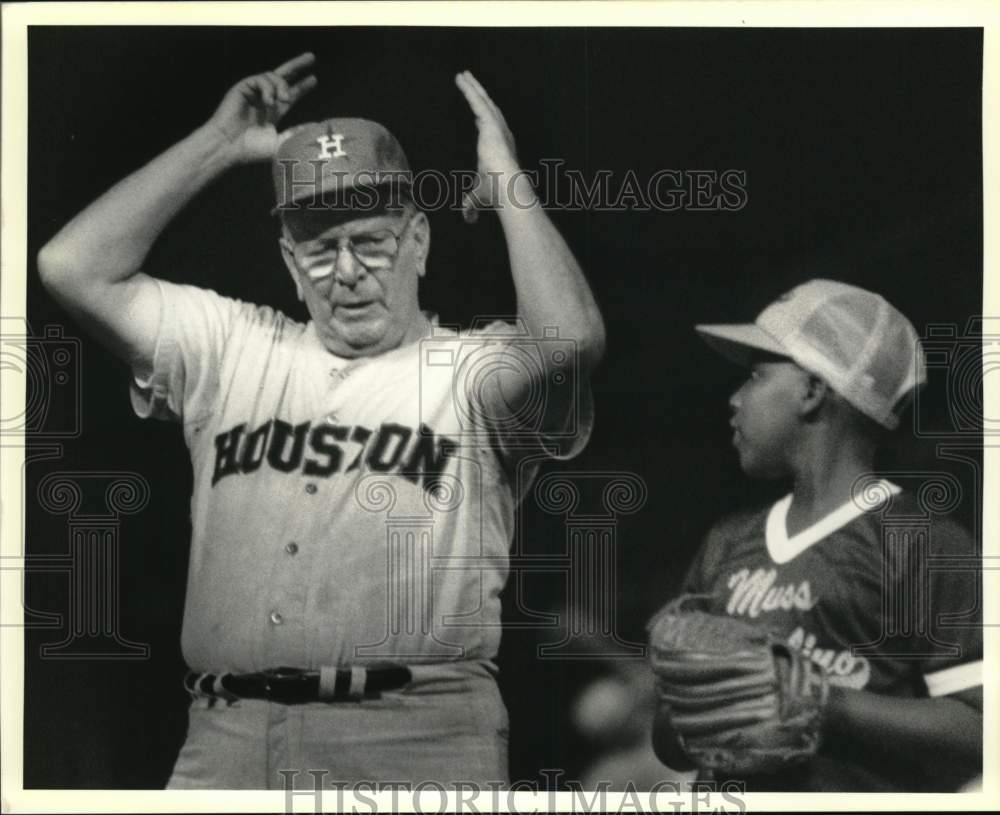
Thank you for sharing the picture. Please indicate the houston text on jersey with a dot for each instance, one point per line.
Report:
(325, 449)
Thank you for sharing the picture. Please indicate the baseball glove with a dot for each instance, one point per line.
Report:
(738, 699)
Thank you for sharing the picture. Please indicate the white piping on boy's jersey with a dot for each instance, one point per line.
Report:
(955, 679)
(782, 548)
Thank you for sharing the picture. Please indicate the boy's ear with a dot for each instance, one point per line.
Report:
(814, 393)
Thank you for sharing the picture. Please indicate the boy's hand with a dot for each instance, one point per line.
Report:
(734, 698)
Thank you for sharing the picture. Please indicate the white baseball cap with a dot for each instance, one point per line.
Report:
(864, 348)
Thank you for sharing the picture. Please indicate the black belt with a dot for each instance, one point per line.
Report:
(293, 686)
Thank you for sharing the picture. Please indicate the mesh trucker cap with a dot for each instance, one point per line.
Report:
(334, 156)
(865, 349)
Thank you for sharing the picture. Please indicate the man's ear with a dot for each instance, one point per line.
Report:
(814, 393)
(421, 230)
(289, 258)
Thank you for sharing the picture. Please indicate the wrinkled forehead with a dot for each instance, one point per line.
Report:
(312, 219)
(314, 227)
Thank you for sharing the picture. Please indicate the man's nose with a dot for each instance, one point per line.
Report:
(348, 269)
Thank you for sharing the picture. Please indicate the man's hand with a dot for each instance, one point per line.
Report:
(497, 158)
(552, 292)
(93, 265)
(250, 111)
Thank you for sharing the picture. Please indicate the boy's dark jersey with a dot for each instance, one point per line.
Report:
(887, 600)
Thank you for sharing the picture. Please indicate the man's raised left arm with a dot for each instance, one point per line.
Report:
(552, 292)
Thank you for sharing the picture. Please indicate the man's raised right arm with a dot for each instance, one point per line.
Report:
(92, 266)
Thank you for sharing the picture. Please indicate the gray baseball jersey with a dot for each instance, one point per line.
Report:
(344, 510)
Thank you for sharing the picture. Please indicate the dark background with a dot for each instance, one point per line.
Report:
(862, 150)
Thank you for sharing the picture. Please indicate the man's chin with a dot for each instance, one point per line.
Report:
(358, 340)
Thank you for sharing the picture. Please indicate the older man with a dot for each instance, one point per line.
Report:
(355, 477)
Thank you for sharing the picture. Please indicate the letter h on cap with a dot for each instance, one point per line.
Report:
(334, 141)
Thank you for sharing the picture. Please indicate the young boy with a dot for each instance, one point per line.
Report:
(840, 565)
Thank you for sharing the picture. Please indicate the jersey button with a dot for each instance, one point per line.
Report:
(311, 489)
(276, 618)
(331, 418)
(292, 548)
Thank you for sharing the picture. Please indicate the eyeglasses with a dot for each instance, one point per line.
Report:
(374, 250)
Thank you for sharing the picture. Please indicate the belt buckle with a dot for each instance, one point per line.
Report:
(287, 685)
